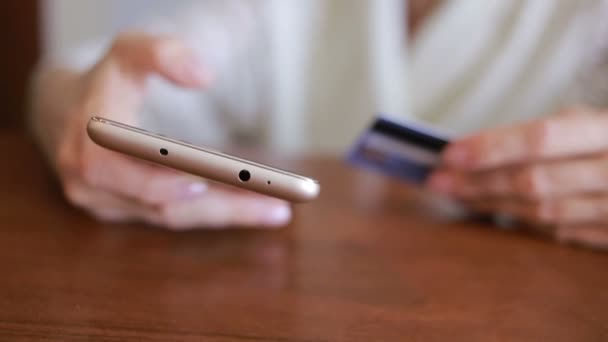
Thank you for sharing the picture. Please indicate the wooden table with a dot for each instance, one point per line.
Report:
(368, 261)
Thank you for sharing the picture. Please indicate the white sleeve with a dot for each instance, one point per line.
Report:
(590, 87)
(231, 38)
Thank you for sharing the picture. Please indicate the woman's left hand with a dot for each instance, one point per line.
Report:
(551, 172)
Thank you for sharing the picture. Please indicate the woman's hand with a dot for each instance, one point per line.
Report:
(551, 173)
(114, 187)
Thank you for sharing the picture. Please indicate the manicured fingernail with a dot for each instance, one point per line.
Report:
(457, 156)
(278, 216)
(442, 182)
(192, 190)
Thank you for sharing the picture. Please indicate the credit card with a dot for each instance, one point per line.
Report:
(405, 150)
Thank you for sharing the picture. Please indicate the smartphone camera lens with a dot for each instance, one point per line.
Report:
(244, 175)
(164, 151)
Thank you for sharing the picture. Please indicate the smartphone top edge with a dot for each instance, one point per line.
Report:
(100, 119)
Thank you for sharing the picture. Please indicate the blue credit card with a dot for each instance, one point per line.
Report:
(406, 150)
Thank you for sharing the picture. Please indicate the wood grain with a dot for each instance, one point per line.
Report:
(368, 261)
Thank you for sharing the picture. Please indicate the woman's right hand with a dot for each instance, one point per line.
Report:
(114, 187)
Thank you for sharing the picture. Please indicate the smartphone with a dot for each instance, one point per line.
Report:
(202, 162)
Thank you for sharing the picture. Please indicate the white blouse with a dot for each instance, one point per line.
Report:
(310, 75)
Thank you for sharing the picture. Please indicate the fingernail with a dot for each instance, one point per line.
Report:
(442, 182)
(457, 156)
(278, 216)
(193, 190)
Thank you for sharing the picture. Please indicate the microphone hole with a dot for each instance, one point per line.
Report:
(244, 176)
(164, 151)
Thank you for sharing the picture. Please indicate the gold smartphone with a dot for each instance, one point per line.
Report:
(202, 162)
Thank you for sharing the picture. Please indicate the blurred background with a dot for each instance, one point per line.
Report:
(30, 27)
(92, 17)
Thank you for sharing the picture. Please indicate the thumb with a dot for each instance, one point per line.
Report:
(143, 54)
(114, 87)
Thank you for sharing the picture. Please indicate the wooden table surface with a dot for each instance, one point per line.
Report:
(368, 261)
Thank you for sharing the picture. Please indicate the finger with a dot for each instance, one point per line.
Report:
(218, 208)
(594, 236)
(567, 211)
(143, 182)
(105, 206)
(142, 54)
(538, 181)
(221, 208)
(477, 185)
(559, 136)
(117, 83)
